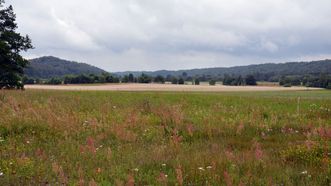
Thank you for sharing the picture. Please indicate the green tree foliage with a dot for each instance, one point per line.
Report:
(250, 80)
(143, 78)
(197, 81)
(12, 64)
(87, 79)
(321, 80)
(125, 79)
(212, 82)
(131, 78)
(174, 80)
(238, 80)
(28, 81)
(54, 81)
(181, 81)
(49, 67)
(159, 79)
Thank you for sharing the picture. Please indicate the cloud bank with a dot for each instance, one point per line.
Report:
(119, 35)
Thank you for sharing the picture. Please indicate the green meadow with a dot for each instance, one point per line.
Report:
(165, 138)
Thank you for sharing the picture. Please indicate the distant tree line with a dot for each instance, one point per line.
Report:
(108, 78)
(321, 81)
(239, 80)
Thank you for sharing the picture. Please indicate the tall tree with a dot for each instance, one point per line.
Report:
(12, 64)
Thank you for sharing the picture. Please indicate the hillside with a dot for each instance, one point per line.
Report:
(262, 71)
(48, 67)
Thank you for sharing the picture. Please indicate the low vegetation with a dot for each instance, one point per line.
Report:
(130, 138)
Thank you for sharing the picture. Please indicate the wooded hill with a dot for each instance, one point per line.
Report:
(262, 72)
(51, 67)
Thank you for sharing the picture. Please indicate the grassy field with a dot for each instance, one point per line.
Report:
(164, 138)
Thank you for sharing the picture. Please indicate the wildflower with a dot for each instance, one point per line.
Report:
(209, 167)
(201, 168)
(258, 151)
(85, 123)
(163, 164)
(240, 128)
(227, 178)
(28, 142)
(162, 177)
(304, 172)
(91, 145)
(130, 181)
(114, 107)
(136, 169)
(179, 175)
(190, 129)
(1, 140)
(229, 155)
(1, 173)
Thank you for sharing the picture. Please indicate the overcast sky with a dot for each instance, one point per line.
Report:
(119, 35)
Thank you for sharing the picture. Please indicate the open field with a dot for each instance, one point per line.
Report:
(165, 87)
(165, 138)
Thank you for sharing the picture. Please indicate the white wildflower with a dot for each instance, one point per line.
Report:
(163, 165)
(209, 167)
(201, 168)
(304, 172)
(136, 169)
(1, 173)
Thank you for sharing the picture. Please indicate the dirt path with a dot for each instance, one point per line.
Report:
(163, 87)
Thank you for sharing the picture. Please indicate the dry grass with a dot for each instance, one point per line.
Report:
(145, 138)
(167, 87)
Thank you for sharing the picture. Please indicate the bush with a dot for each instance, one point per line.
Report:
(174, 81)
(54, 81)
(181, 81)
(250, 80)
(144, 78)
(159, 79)
(196, 82)
(329, 86)
(287, 85)
(28, 81)
(212, 82)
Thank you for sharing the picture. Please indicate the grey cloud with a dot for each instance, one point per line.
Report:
(169, 34)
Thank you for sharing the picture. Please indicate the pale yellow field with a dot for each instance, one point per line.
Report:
(164, 87)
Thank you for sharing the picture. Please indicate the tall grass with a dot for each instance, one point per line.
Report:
(123, 138)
